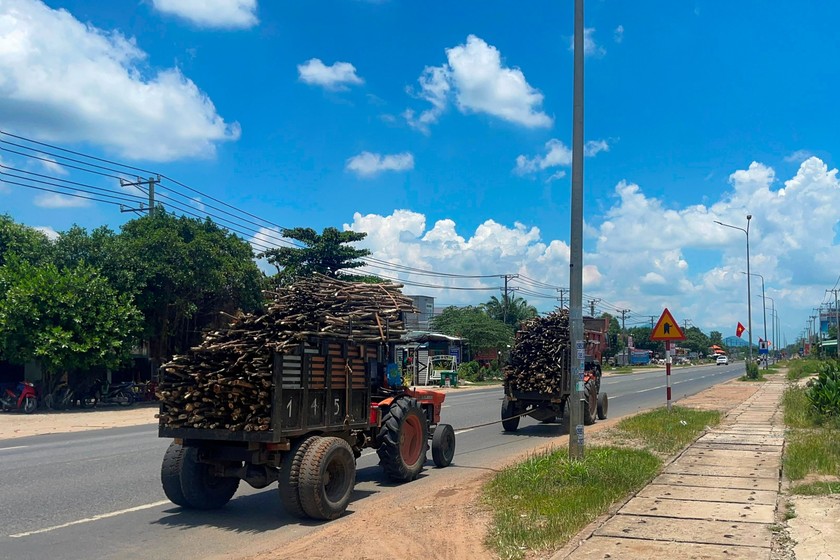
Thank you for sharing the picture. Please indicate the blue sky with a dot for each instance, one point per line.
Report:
(443, 130)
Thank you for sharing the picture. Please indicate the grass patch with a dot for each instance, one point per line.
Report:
(796, 408)
(620, 369)
(799, 369)
(666, 432)
(541, 503)
(821, 488)
(812, 452)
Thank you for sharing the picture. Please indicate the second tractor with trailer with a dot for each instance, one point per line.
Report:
(313, 408)
(538, 378)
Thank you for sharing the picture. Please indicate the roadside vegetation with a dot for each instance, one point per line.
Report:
(541, 503)
(812, 417)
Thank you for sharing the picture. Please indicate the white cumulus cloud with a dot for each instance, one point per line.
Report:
(618, 34)
(590, 47)
(334, 77)
(66, 81)
(232, 14)
(55, 200)
(477, 80)
(557, 154)
(368, 164)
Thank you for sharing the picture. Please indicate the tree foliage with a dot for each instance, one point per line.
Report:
(26, 242)
(328, 253)
(68, 319)
(473, 324)
(188, 270)
(716, 337)
(509, 310)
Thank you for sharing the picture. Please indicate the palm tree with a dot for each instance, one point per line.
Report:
(510, 311)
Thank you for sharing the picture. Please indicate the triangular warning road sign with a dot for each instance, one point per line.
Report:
(667, 328)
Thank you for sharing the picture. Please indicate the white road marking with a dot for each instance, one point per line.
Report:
(15, 447)
(90, 519)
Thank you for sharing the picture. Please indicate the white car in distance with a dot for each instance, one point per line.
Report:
(722, 360)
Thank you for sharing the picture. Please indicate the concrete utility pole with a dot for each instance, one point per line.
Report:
(562, 291)
(624, 313)
(576, 441)
(505, 300)
(150, 185)
(836, 320)
(592, 303)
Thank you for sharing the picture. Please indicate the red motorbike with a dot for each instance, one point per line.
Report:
(22, 397)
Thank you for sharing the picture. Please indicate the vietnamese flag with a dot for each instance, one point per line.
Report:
(740, 330)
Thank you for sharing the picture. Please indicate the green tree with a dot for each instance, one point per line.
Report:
(716, 337)
(509, 310)
(102, 249)
(641, 339)
(481, 331)
(328, 253)
(70, 319)
(188, 270)
(614, 337)
(26, 242)
(696, 340)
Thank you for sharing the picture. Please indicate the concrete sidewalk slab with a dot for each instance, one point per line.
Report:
(736, 495)
(598, 548)
(695, 509)
(718, 482)
(692, 530)
(724, 470)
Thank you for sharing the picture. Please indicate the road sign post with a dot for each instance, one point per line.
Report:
(667, 330)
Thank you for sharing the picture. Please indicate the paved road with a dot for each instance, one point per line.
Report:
(97, 494)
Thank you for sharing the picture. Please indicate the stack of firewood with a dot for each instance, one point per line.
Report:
(226, 381)
(541, 354)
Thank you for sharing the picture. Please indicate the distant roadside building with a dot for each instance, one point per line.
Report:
(421, 321)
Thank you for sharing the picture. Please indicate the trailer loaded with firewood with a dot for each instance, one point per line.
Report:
(538, 377)
(292, 395)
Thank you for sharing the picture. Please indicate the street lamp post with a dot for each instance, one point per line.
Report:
(749, 295)
(773, 325)
(764, 308)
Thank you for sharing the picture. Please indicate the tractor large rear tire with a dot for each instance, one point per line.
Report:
(327, 477)
(290, 476)
(509, 410)
(590, 406)
(203, 490)
(170, 474)
(403, 440)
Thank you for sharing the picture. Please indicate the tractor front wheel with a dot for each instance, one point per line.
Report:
(603, 406)
(590, 405)
(403, 440)
(443, 445)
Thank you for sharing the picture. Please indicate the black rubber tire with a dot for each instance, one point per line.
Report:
(590, 407)
(125, 398)
(30, 405)
(170, 474)
(201, 489)
(603, 406)
(508, 410)
(549, 420)
(290, 476)
(443, 445)
(327, 477)
(392, 437)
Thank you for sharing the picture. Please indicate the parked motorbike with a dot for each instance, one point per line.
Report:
(22, 397)
(120, 393)
(61, 398)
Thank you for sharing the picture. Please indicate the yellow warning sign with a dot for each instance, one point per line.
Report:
(667, 328)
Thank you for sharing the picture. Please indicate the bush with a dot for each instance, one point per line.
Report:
(824, 392)
(752, 370)
(799, 369)
(471, 371)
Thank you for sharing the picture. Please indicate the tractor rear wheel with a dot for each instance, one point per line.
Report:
(443, 445)
(290, 475)
(590, 405)
(327, 477)
(509, 410)
(403, 440)
(201, 488)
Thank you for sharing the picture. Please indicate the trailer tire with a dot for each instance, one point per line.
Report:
(603, 406)
(443, 445)
(290, 476)
(549, 420)
(590, 406)
(201, 489)
(327, 477)
(170, 474)
(509, 424)
(403, 440)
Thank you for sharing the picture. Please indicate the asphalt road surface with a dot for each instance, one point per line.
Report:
(97, 494)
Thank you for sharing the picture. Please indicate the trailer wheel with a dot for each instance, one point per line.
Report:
(327, 477)
(290, 476)
(509, 410)
(170, 474)
(403, 440)
(201, 489)
(590, 406)
(603, 406)
(443, 445)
